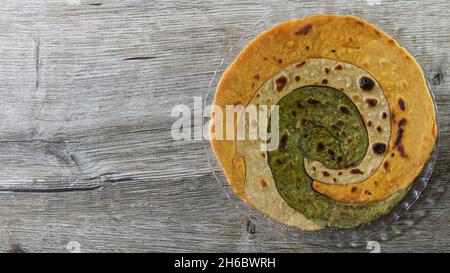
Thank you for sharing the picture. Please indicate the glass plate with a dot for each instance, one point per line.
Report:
(331, 236)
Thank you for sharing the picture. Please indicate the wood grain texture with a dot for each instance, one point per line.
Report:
(86, 152)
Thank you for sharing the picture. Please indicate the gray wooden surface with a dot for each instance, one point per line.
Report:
(86, 89)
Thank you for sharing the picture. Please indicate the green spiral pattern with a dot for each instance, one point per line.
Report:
(323, 124)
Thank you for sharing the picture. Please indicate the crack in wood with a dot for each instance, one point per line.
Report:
(251, 227)
(139, 58)
(106, 178)
(37, 61)
(52, 190)
(29, 141)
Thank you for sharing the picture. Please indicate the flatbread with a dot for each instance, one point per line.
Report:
(409, 121)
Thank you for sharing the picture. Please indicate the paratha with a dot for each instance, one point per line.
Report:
(356, 122)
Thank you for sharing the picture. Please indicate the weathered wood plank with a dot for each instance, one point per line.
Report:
(86, 93)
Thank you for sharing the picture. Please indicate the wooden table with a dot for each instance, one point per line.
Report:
(87, 159)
